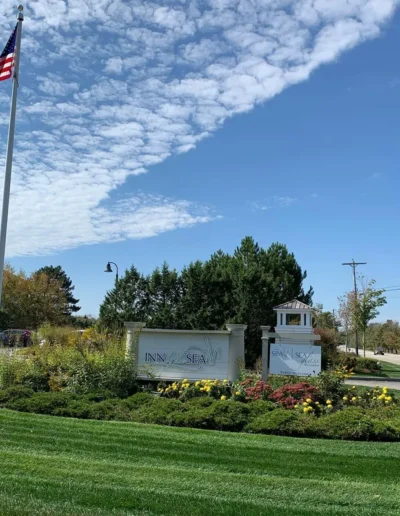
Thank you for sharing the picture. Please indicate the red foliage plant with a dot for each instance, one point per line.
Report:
(260, 390)
(288, 395)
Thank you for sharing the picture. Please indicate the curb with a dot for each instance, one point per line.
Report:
(372, 379)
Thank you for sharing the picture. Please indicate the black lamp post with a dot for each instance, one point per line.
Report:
(109, 269)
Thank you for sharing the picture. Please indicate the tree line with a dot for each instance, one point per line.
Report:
(242, 287)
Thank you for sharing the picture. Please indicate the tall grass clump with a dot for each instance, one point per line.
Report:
(65, 360)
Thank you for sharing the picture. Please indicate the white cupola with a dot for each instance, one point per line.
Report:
(294, 324)
(294, 317)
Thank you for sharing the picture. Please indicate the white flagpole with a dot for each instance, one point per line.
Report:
(10, 148)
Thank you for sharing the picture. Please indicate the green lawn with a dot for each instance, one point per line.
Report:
(56, 466)
(388, 371)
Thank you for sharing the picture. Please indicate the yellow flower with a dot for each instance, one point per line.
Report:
(308, 400)
(202, 389)
(307, 409)
(185, 380)
(353, 398)
(197, 384)
(305, 403)
(381, 397)
(384, 390)
(296, 406)
(345, 398)
(329, 407)
(317, 402)
(388, 398)
(353, 387)
(238, 393)
(223, 398)
(328, 402)
(374, 398)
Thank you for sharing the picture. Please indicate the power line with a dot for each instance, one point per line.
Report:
(353, 265)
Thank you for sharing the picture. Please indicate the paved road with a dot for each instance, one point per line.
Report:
(387, 357)
(381, 382)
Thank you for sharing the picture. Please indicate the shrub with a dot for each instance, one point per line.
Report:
(231, 416)
(41, 402)
(157, 412)
(348, 360)
(367, 365)
(199, 402)
(80, 408)
(349, 423)
(260, 407)
(330, 385)
(109, 410)
(138, 400)
(290, 395)
(192, 418)
(278, 422)
(220, 415)
(386, 430)
(14, 393)
(359, 364)
(17, 371)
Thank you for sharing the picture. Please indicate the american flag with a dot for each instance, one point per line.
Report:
(7, 57)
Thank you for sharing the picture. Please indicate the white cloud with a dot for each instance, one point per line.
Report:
(273, 202)
(111, 88)
(284, 201)
(258, 206)
(56, 85)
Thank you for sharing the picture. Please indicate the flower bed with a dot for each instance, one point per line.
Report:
(327, 408)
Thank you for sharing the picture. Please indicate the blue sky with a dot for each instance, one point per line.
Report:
(165, 131)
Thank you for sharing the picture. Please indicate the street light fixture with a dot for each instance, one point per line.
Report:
(109, 269)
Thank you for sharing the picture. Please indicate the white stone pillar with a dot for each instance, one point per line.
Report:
(236, 350)
(132, 344)
(265, 352)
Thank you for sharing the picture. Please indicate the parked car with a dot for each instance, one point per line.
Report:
(379, 351)
(18, 338)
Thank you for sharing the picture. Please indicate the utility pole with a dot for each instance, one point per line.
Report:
(334, 319)
(353, 265)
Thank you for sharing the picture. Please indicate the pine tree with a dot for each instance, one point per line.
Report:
(57, 273)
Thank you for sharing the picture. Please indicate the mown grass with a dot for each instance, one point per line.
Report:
(389, 370)
(53, 466)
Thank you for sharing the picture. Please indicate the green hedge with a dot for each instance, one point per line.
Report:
(354, 423)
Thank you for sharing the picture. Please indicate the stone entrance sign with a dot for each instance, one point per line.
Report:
(191, 354)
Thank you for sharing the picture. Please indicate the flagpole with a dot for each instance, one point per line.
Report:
(10, 148)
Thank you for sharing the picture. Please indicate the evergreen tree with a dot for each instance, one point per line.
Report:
(57, 273)
(165, 292)
(239, 288)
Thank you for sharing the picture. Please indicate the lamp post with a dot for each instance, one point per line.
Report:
(109, 269)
